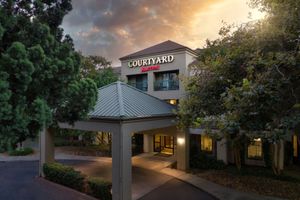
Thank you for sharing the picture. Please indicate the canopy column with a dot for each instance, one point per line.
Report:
(183, 140)
(121, 164)
(46, 148)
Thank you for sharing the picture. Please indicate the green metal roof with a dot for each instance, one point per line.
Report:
(121, 101)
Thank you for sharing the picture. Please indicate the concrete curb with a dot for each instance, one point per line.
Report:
(57, 157)
(218, 191)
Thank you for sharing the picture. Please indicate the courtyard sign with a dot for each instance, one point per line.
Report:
(151, 61)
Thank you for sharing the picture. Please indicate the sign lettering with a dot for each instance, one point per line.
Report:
(151, 61)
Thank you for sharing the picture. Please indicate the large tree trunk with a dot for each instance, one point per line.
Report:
(276, 158)
(237, 158)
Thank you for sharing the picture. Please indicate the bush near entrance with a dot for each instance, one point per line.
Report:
(64, 175)
(99, 188)
(69, 177)
(202, 161)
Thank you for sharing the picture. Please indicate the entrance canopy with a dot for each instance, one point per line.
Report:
(123, 110)
(119, 103)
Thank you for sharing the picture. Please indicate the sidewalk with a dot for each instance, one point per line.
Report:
(220, 192)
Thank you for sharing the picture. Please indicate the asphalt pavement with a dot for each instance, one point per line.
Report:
(19, 181)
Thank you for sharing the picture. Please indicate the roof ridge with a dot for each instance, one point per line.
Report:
(174, 46)
(120, 98)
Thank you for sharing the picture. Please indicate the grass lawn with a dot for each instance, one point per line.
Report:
(257, 180)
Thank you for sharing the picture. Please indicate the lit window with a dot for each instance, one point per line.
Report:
(295, 146)
(255, 149)
(206, 143)
(172, 101)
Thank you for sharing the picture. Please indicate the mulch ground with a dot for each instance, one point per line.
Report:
(248, 183)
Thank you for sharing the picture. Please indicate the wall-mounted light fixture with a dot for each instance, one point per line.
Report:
(180, 141)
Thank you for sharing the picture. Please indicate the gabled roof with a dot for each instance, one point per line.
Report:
(121, 101)
(159, 48)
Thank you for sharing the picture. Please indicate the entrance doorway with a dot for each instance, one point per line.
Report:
(137, 144)
(164, 144)
(296, 149)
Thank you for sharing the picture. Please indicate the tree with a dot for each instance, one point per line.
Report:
(253, 87)
(40, 70)
(98, 69)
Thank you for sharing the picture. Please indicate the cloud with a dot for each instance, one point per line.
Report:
(115, 28)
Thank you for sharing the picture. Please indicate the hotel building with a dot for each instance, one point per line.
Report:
(157, 71)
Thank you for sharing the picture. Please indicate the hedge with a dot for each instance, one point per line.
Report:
(64, 175)
(21, 152)
(202, 161)
(67, 176)
(99, 188)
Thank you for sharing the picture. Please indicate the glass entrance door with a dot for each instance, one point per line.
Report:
(164, 144)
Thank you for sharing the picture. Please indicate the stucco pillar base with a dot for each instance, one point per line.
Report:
(183, 151)
(121, 165)
(148, 143)
(46, 148)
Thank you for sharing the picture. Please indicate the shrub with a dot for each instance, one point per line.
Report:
(202, 161)
(64, 175)
(21, 152)
(99, 188)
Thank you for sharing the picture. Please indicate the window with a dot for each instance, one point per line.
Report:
(166, 81)
(138, 81)
(255, 149)
(172, 101)
(295, 145)
(206, 143)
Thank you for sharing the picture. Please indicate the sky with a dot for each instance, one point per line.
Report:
(116, 28)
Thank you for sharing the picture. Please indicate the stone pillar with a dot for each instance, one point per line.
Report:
(222, 150)
(46, 148)
(183, 149)
(148, 143)
(121, 165)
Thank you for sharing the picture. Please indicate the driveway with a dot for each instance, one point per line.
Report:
(177, 190)
(19, 182)
(146, 184)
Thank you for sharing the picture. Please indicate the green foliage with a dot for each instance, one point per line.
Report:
(202, 161)
(21, 152)
(76, 107)
(39, 70)
(248, 80)
(64, 175)
(67, 176)
(98, 69)
(99, 188)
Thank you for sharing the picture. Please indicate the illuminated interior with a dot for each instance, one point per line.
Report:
(206, 143)
(255, 149)
(295, 146)
(164, 144)
(172, 101)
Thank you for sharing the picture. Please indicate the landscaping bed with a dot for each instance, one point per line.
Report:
(258, 180)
